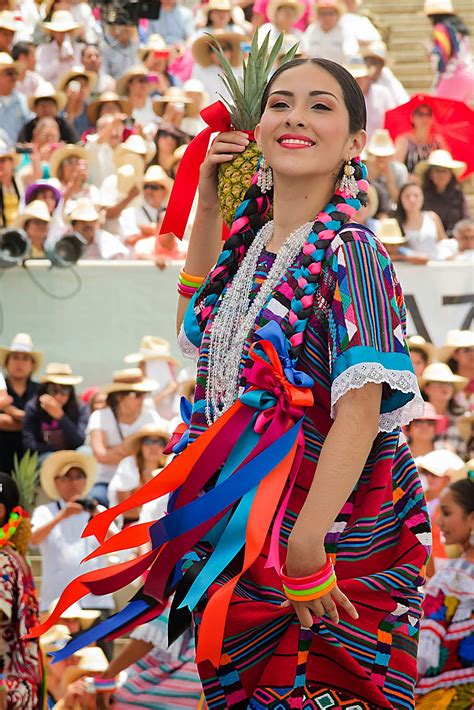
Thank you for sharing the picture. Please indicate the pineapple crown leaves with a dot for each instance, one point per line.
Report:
(245, 109)
(25, 475)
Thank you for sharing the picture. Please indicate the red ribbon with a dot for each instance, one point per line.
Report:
(181, 199)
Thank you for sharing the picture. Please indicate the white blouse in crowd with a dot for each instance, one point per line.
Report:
(125, 478)
(339, 44)
(212, 81)
(424, 239)
(62, 553)
(104, 420)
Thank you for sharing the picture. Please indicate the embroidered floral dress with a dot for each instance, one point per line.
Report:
(19, 606)
(446, 650)
(381, 536)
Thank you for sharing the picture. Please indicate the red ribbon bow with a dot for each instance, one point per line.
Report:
(181, 199)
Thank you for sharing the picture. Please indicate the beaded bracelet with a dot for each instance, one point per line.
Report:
(314, 586)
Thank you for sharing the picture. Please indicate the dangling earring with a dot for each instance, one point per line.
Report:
(348, 184)
(264, 176)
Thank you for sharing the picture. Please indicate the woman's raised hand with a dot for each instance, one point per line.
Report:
(304, 558)
(223, 149)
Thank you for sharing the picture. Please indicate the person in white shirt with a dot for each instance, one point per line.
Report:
(66, 478)
(375, 55)
(101, 244)
(328, 37)
(29, 81)
(377, 98)
(55, 58)
(109, 428)
(135, 84)
(359, 24)
(141, 221)
(207, 68)
(283, 14)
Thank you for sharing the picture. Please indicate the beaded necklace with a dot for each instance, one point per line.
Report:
(9, 529)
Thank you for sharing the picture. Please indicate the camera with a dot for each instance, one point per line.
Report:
(89, 504)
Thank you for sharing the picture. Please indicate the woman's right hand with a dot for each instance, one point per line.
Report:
(223, 149)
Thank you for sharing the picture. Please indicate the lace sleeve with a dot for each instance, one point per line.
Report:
(403, 381)
(186, 347)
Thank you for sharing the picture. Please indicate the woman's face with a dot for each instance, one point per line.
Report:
(48, 197)
(440, 177)
(464, 358)
(439, 391)
(6, 169)
(166, 142)
(131, 404)
(422, 430)
(37, 230)
(61, 393)
(418, 360)
(138, 86)
(152, 449)
(72, 484)
(412, 199)
(285, 18)
(304, 129)
(328, 18)
(219, 19)
(47, 132)
(422, 118)
(72, 168)
(454, 523)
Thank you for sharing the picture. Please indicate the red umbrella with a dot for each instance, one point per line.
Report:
(452, 120)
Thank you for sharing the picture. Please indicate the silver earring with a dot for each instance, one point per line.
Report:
(264, 176)
(348, 184)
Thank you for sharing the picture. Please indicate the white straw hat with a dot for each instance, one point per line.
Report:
(389, 232)
(130, 380)
(455, 339)
(59, 463)
(60, 373)
(440, 372)
(22, 343)
(417, 342)
(152, 347)
(441, 159)
(438, 7)
(381, 144)
(34, 210)
(84, 211)
(47, 91)
(440, 461)
(61, 21)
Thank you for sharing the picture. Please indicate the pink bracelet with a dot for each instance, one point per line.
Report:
(314, 586)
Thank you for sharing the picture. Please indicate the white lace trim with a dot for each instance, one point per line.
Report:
(405, 381)
(186, 347)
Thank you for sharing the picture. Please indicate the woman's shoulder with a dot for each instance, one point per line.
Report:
(352, 234)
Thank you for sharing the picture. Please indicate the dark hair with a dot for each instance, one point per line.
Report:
(429, 185)
(21, 48)
(113, 401)
(351, 91)
(400, 213)
(71, 408)
(10, 495)
(463, 491)
(453, 20)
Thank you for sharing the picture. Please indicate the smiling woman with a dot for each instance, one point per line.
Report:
(301, 564)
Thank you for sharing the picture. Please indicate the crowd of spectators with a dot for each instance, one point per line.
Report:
(97, 113)
(96, 117)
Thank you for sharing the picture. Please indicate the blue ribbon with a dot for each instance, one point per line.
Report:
(272, 332)
(225, 494)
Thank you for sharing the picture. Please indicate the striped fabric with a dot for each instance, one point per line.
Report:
(380, 538)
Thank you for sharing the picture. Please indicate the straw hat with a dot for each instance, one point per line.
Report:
(122, 82)
(332, 4)
(47, 91)
(8, 21)
(75, 611)
(84, 211)
(439, 372)
(275, 5)
(6, 62)
(106, 98)
(455, 339)
(7, 151)
(438, 7)
(377, 49)
(130, 380)
(389, 232)
(155, 175)
(67, 151)
(173, 95)
(381, 144)
(54, 639)
(465, 424)
(439, 462)
(59, 463)
(35, 210)
(151, 348)
(155, 43)
(417, 342)
(441, 159)
(135, 145)
(430, 415)
(200, 47)
(127, 178)
(60, 373)
(61, 21)
(52, 184)
(152, 430)
(76, 73)
(358, 68)
(92, 661)
(22, 343)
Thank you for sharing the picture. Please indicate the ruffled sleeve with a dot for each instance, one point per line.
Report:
(367, 330)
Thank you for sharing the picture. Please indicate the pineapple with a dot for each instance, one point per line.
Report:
(235, 176)
(25, 476)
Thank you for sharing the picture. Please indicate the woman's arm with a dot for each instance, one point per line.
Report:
(30, 434)
(401, 149)
(110, 455)
(440, 233)
(75, 433)
(132, 652)
(343, 456)
(205, 242)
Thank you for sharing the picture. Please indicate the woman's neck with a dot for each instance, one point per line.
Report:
(420, 448)
(126, 417)
(414, 220)
(422, 135)
(296, 203)
(138, 101)
(440, 405)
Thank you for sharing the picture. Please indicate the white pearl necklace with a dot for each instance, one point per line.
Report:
(235, 316)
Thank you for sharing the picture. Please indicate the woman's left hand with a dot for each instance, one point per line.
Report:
(305, 556)
(51, 406)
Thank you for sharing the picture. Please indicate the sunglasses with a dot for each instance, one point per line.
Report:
(153, 187)
(140, 79)
(423, 113)
(153, 441)
(79, 476)
(58, 389)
